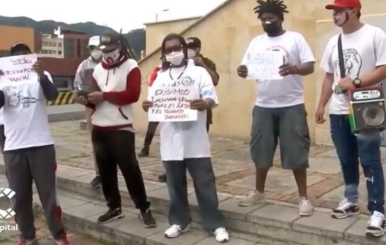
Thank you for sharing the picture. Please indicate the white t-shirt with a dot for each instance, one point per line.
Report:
(289, 90)
(25, 117)
(182, 140)
(363, 51)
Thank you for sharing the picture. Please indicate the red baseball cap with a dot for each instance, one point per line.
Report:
(355, 4)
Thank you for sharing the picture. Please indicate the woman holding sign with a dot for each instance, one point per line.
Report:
(184, 139)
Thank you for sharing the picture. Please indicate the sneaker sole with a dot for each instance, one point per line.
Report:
(112, 219)
(149, 226)
(225, 241)
(182, 232)
(250, 204)
(304, 214)
(96, 186)
(344, 215)
(372, 234)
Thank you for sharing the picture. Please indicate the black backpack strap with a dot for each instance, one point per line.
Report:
(340, 57)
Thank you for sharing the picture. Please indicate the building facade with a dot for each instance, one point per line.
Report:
(52, 46)
(74, 43)
(156, 31)
(11, 35)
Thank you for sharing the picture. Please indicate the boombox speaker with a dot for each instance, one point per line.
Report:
(367, 109)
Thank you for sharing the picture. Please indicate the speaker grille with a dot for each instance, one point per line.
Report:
(373, 115)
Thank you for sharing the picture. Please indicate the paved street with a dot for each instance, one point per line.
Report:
(233, 168)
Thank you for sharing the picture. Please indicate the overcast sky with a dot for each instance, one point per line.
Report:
(117, 14)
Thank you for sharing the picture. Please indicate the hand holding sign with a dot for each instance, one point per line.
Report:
(288, 69)
(38, 68)
(242, 71)
(146, 105)
(20, 69)
(173, 104)
(265, 65)
(199, 105)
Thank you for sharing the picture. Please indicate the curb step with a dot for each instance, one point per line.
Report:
(273, 220)
(80, 215)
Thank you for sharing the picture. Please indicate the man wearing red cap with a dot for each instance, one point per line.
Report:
(351, 61)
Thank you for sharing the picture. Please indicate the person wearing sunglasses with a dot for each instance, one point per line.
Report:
(186, 146)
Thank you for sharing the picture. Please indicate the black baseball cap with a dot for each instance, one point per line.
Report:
(109, 41)
(19, 47)
(193, 42)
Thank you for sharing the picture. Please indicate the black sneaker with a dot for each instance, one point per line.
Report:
(148, 219)
(376, 225)
(162, 178)
(345, 209)
(144, 152)
(111, 215)
(96, 182)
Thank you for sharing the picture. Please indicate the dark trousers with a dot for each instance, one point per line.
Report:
(2, 137)
(204, 182)
(151, 128)
(37, 164)
(366, 148)
(118, 147)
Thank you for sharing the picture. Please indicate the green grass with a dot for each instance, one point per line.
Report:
(4, 239)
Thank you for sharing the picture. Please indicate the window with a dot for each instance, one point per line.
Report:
(60, 52)
(59, 45)
(78, 49)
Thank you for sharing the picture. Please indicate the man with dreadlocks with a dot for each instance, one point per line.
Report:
(279, 111)
(119, 80)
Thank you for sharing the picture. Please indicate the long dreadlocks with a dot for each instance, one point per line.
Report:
(276, 7)
(126, 46)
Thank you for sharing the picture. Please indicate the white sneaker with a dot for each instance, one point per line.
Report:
(252, 198)
(345, 209)
(221, 235)
(376, 225)
(305, 207)
(176, 230)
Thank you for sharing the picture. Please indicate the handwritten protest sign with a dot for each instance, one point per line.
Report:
(171, 104)
(18, 69)
(265, 65)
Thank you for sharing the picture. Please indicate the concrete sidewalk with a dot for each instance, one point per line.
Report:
(235, 173)
(277, 218)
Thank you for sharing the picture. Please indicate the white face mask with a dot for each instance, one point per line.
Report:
(112, 56)
(341, 18)
(191, 53)
(96, 54)
(175, 58)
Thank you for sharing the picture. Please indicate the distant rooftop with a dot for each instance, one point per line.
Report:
(172, 20)
(68, 31)
(60, 31)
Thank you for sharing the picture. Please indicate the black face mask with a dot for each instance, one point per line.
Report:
(271, 28)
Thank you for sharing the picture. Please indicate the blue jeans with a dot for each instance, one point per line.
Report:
(350, 149)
